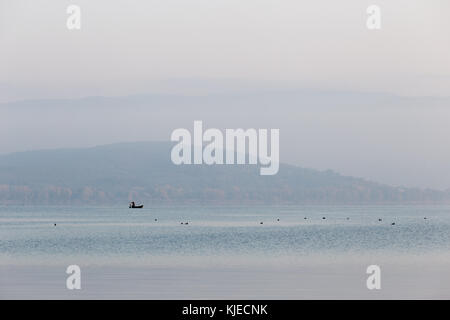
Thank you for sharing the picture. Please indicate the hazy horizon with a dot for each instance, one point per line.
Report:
(365, 103)
(384, 138)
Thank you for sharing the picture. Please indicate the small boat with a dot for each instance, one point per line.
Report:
(132, 205)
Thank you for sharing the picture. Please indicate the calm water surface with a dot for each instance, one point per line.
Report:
(28, 234)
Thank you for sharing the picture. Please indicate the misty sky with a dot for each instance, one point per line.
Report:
(365, 103)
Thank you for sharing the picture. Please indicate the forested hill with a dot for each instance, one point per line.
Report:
(143, 171)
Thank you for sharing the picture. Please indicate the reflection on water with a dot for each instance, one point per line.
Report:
(124, 234)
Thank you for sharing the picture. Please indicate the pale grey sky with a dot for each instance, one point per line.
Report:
(131, 46)
(325, 75)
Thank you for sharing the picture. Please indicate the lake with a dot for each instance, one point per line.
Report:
(225, 252)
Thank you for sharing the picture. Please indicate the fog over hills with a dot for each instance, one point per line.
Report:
(385, 138)
(142, 171)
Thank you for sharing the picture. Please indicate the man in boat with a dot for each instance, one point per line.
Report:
(134, 206)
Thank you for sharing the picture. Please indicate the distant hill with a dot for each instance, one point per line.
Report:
(143, 171)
